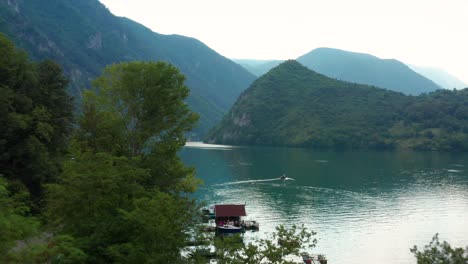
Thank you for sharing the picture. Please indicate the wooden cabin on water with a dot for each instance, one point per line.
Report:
(228, 217)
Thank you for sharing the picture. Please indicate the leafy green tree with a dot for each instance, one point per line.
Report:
(35, 118)
(440, 253)
(123, 191)
(281, 247)
(147, 101)
(138, 109)
(103, 202)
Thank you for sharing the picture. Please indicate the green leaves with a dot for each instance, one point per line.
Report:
(144, 103)
(35, 116)
(440, 253)
(137, 110)
(122, 193)
(279, 248)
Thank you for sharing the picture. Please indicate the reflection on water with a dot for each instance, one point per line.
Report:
(367, 207)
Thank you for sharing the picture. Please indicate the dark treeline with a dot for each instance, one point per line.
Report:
(293, 106)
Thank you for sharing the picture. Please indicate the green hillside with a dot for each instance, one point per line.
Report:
(294, 106)
(84, 37)
(367, 69)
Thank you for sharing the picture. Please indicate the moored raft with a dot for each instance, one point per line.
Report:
(228, 218)
(250, 225)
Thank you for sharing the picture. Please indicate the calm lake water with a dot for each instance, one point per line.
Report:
(367, 206)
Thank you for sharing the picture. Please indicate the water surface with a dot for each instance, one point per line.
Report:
(367, 206)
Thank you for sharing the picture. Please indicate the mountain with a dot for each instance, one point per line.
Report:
(294, 106)
(440, 77)
(257, 67)
(367, 69)
(84, 37)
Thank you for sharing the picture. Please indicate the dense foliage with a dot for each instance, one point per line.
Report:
(440, 253)
(84, 37)
(14, 221)
(285, 245)
(115, 189)
(279, 248)
(294, 106)
(35, 118)
(367, 69)
(122, 195)
(35, 122)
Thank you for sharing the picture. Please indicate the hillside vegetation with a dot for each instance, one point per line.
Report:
(294, 106)
(83, 37)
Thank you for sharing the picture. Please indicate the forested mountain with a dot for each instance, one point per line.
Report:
(257, 67)
(367, 69)
(83, 37)
(294, 106)
(440, 77)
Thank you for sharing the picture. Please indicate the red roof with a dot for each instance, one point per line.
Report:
(222, 210)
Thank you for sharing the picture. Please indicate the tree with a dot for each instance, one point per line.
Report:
(440, 253)
(123, 191)
(279, 248)
(147, 99)
(35, 119)
(138, 109)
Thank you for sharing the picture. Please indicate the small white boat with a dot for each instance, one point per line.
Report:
(285, 178)
(229, 229)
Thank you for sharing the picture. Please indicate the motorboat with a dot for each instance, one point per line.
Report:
(229, 229)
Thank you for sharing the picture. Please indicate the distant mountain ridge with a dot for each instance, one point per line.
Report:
(292, 105)
(367, 69)
(83, 37)
(440, 77)
(258, 67)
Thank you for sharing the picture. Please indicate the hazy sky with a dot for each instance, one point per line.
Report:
(422, 32)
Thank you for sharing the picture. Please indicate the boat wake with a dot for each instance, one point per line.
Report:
(256, 181)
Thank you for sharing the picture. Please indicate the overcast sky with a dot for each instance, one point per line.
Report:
(422, 32)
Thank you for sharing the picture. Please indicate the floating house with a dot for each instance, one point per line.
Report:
(228, 217)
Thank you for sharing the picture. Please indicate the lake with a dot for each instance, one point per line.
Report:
(366, 206)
